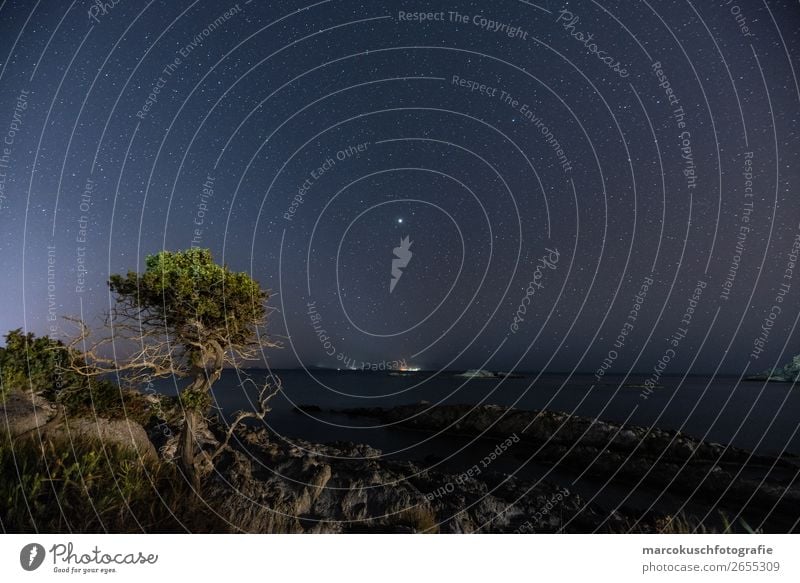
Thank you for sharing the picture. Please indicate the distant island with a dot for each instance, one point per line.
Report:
(476, 373)
(789, 373)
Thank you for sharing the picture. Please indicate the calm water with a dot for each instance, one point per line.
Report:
(750, 415)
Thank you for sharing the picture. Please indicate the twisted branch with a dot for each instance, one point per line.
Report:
(266, 393)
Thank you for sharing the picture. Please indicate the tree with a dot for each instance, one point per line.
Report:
(189, 317)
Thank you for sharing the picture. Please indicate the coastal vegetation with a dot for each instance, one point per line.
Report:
(85, 485)
(66, 463)
(54, 480)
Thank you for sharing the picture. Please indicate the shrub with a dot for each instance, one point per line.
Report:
(37, 364)
(85, 487)
(40, 365)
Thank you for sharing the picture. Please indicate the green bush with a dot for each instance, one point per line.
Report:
(37, 364)
(41, 365)
(84, 487)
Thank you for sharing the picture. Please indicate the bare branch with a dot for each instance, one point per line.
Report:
(153, 356)
(265, 395)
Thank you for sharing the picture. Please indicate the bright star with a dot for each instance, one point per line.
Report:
(399, 221)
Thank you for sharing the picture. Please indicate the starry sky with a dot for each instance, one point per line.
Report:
(564, 186)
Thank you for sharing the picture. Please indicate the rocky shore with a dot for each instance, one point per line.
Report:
(264, 484)
(625, 454)
(267, 485)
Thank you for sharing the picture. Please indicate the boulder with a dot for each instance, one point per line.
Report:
(23, 411)
(120, 432)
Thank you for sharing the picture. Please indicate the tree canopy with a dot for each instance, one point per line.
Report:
(185, 315)
(193, 297)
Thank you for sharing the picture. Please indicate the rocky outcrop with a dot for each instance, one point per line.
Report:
(114, 432)
(790, 373)
(628, 454)
(269, 486)
(23, 411)
(25, 415)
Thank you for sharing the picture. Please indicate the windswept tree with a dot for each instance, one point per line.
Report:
(186, 316)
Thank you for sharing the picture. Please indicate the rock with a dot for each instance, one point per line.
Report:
(273, 487)
(22, 412)
(662, 459)
(121, 432)
(26, 415)
(627, 438)
(318, 482)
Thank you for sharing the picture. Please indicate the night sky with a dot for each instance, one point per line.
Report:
(590, 186)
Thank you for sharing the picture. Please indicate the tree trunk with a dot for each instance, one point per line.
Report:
(203, 379)
(191, 421)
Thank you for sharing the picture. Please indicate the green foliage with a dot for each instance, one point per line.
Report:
(195, 400)
(84, 487)
(106, 399)
(37, 364)
(193, 296)
(41, 365)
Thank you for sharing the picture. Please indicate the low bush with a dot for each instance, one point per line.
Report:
(85, 487)
(41, 365)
